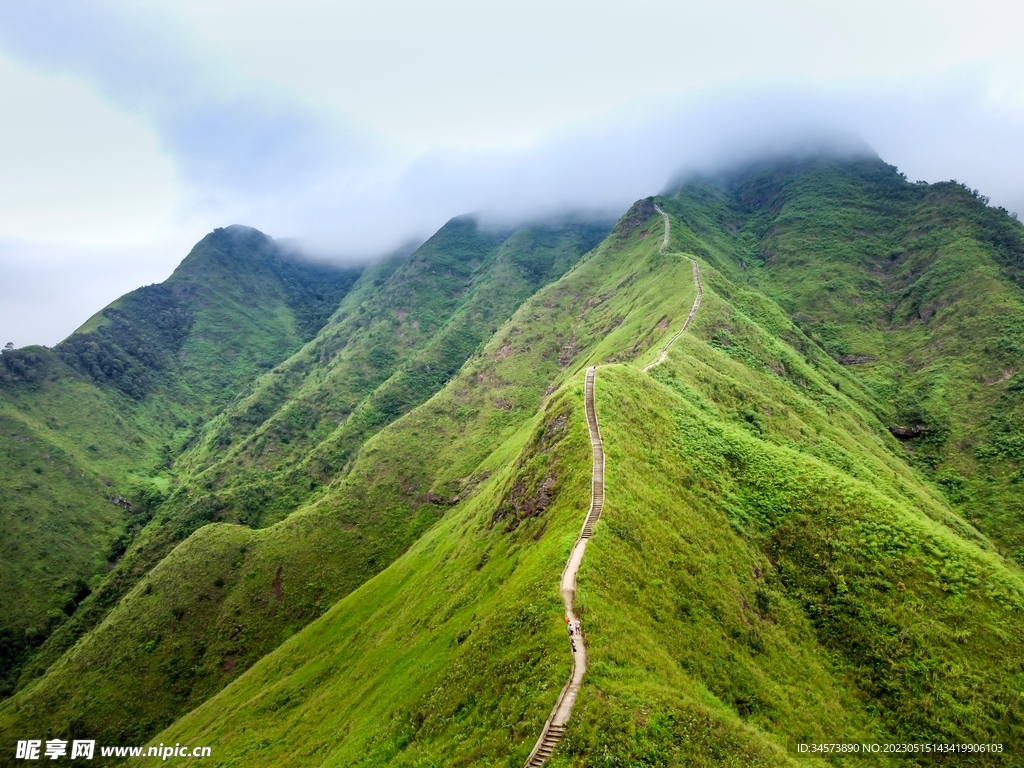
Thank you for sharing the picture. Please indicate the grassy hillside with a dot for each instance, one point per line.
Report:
(746, 583)
(380, 357)
(93, 426)
(46, 566)
(769, 568)
(389, 495)
(916, 288)
(236, 306)
(786, 551)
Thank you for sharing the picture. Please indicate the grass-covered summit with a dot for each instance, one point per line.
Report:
(286, 434)
(93, 426)
(810, 529)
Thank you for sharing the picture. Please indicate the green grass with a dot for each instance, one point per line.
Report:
(772, 564)
(783, 569)
(923, 277)
(736, 577)
(347, 531)
(742, 592)
(46, 565)
(446, 642)
(105, 413)
(300, 427)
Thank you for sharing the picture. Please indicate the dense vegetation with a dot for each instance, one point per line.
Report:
(93, 426)
(912, 286)
(812, 529)
(137, 341)
(247, 464)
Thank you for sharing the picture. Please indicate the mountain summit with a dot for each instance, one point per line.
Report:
(782, 505)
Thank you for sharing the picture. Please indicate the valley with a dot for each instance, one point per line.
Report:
(341, 524)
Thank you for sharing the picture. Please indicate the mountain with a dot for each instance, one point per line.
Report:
(92, 427)
(915, 287)
(811, 530)
(408, 327)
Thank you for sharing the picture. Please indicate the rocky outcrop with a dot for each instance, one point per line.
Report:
(856, 359)
(909, 433)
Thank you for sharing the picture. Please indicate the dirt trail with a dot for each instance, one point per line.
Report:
(554, 728)
(696, 302)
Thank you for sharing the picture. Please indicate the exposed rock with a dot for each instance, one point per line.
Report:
(568, 352)
(856, 359)
(440, 501)
(122, 502)
(523, 503)
(909, 433)
(636, 216)
(1005, 376)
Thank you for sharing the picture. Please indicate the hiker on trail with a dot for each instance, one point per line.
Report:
(579, 631)
(568, 625)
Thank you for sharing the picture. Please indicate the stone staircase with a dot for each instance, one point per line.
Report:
(542, 752)
(597, 448)
(554, 728)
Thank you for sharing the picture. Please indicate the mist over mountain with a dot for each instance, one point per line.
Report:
(138, 129)
(304, 513)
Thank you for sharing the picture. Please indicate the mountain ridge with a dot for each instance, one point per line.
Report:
(772, 564)
(116, 399)
(176, 519)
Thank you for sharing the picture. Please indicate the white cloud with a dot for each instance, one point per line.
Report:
(73, 169)
(354, 126)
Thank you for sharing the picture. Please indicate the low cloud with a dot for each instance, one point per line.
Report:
(253, 153)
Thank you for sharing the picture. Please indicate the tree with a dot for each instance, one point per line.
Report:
(8, 346)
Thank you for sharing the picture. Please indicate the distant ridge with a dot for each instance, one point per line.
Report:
(352, 556)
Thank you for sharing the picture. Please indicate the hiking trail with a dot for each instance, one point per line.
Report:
(554, 727)
(696, 301)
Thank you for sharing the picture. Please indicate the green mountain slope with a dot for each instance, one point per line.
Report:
(380, 357)
(471, 280)
(92, 426)
(769, 568)
(796, 543)
(236, 306)
(916, 287)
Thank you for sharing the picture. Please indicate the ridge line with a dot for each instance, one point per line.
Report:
(696, 301)
(554, 726)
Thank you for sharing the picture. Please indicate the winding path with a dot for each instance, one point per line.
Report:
(554, 728)
(668, 227)
(696, 301)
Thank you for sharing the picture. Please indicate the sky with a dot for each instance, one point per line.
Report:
(131, 129)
